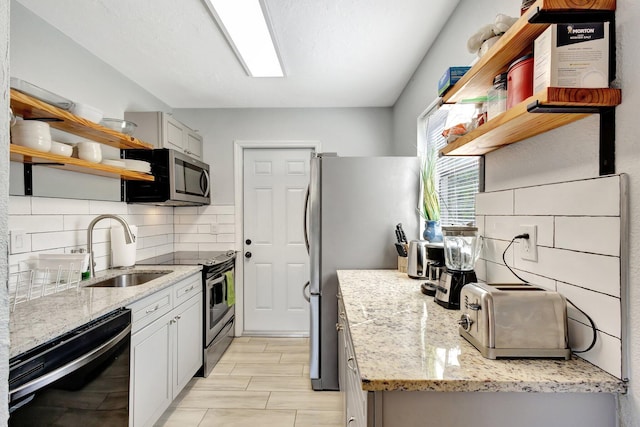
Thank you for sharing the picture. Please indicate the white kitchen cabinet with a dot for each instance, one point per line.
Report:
(164, 131)
(354, 398)
(166, 348)
(151, 389)
(188, 336)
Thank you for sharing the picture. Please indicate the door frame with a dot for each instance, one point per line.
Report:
(238, 180)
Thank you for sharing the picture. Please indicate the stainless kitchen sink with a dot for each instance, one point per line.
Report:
(128, 279)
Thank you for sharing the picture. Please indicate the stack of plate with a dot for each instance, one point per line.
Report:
(137, 165)
(114, 162)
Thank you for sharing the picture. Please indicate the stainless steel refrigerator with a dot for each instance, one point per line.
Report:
(353, 206)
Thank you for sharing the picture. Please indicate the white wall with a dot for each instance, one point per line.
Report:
(44, 56)
(565, 154)
(347, 131)
(4, 198)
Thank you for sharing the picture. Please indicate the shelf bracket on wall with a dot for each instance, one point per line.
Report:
(607, 129)
(28, 179)
(573, 16)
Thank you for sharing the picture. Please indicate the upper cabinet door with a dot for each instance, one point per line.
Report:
(174, 133)
(194, 144)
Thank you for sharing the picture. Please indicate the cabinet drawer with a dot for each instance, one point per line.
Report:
(187, 288)
(147, 310)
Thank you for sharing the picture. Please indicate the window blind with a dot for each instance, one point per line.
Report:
(457, 177)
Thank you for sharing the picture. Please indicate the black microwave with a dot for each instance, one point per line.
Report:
(180, 180)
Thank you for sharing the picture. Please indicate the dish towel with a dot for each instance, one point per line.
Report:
(231, 290)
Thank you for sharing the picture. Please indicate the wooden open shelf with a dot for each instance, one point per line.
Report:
(563, 105)
(28, 155)
(517, 123)
(516, 42)
(31, 108)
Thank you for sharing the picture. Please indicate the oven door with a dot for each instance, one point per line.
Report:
(216, 305)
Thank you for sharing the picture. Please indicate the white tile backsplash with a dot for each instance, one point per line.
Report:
(19, 205)
(59, 225)
(579, 225)
(593, 197)
(603, 309)
(597, 272)
(495, 203)
(607, 353)
(507, 227)
(48, 206)
(600, 235)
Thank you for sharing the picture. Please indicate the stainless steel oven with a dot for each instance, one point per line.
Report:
(75, 379)
(218, 269)
(219, 313)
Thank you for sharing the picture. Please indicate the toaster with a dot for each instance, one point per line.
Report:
(514, 320)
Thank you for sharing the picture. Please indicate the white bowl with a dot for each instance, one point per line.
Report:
(61, 149)
(33, 125)
(41, 143)
(90, 151)
(87, 111)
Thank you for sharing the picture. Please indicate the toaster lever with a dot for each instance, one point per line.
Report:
(473, 306)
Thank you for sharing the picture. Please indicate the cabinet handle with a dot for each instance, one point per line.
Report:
(351, 419)
(151, 310)
(189, 289)
(172, 321)
(339, 327)
(349, 365)
(177, 317)
(342, 315)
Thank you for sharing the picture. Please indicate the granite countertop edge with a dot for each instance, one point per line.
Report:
(399, 336)
(40, 320)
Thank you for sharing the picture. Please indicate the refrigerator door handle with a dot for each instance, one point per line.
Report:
(305, 294)
(306, 213)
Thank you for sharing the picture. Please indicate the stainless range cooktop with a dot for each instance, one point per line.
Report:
(209, 258)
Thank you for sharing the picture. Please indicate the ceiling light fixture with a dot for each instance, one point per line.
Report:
(246, 26)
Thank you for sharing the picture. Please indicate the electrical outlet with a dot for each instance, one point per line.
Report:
(528, 247)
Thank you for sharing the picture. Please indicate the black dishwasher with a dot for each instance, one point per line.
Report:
(78, 379)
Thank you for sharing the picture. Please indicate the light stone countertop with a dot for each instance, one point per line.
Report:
(37, 321)
(403, 340)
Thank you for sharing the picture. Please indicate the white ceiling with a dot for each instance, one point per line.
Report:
(336, 53)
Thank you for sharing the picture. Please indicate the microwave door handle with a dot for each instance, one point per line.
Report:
(205, 174)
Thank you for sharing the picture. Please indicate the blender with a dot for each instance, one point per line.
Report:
(461, 251)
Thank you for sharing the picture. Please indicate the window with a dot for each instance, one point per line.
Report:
(457, 178)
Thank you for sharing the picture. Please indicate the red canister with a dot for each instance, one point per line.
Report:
(519, 80)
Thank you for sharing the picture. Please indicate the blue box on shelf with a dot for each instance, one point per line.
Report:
(450, 77)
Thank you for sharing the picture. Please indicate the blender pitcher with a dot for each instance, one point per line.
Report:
(461, 251)
(461, 247)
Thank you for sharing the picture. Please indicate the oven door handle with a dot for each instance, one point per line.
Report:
(72, 366)
(306, 295)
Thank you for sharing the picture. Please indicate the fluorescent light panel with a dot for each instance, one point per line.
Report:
(247, 31)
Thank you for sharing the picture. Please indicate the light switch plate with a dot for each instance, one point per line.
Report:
(528, 247)
(17, 241)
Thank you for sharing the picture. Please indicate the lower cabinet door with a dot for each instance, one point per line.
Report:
(188, 342)
(151, 386)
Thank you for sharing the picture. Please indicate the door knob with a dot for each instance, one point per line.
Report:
(247, 254)
(248, 241)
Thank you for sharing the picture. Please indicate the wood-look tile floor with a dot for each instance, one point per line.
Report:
(258, 382)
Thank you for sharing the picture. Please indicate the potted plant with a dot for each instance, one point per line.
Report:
(430, 205)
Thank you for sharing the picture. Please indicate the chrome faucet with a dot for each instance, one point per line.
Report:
(128, 237)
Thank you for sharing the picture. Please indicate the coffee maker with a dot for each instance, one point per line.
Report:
(435, 268)
(461, 251)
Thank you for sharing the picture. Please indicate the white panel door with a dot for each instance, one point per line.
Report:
(276, 263)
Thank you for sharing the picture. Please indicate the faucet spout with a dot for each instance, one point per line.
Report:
(129, 237)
